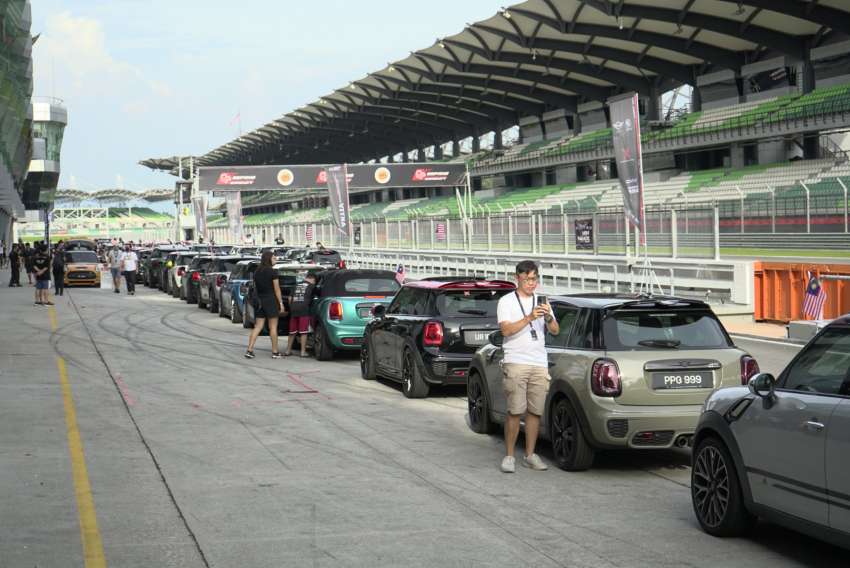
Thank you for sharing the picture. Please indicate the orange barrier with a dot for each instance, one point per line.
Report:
(780, 288)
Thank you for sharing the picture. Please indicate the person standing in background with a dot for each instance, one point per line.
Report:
(15, 266)
(129, 265)
(28, 254)
(268, 302)
(114, 260)
(59, 268)
(41, 269)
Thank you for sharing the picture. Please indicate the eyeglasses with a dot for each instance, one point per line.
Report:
(530, 279)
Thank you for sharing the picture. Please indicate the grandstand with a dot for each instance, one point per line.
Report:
(762, 138)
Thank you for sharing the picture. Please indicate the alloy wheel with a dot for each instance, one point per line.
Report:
(475, 401)
(407, 372)
(711, 489)
(364, 358)
(563, 433)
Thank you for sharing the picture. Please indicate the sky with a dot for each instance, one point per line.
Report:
(157, 78)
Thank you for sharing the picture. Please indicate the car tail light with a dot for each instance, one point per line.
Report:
(220, 280)
(432, 335)
(335, 311)
(749, 368)
(605, 378)
(196, 277)
(181, 271)
(341, 264)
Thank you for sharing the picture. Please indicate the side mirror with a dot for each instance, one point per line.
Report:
(379, 311)
(496, 338)
(762, 385)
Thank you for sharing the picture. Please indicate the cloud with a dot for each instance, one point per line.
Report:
(72, 53)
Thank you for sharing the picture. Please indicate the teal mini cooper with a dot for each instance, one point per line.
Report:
(342, 306)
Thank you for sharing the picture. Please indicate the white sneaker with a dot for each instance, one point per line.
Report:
(534, 462)
(509, 464)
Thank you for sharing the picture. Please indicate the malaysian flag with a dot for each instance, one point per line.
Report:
(815, 298)
(400, 273)
(441, 231)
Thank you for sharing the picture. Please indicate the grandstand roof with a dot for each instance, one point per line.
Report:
(532, 57)
(104, 194)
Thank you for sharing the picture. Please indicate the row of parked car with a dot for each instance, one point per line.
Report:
(628, 372)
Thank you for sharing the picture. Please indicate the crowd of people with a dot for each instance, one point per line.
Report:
(43, 263)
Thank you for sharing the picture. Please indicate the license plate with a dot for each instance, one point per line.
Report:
(476, 337)
(682, 380)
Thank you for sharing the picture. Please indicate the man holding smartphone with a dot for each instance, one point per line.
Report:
(523, 320)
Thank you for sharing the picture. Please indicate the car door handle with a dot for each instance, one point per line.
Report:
(814, 425)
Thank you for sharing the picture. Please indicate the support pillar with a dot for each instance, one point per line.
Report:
(404, 157)
(476, 143)
(497, 139)
(455, 148)
(696, 99)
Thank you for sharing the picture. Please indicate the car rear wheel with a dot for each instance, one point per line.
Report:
(235, 316)
(367, 361)
(716, 491)
(412, 383)
(569, 445)
(322, 345)
(479, 409)
(246, 322)
(212, 303)
(221, 311)
(201, 303)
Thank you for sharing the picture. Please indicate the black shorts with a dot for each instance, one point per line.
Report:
(267, 307)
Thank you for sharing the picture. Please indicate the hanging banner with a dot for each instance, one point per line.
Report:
(359, 176)
(584, 234)
(200, 206)
(337, 178)
(625, 125)
(233, 202)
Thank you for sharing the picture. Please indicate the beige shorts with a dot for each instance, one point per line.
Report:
(525, 388)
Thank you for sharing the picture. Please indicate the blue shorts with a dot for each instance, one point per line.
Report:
(42, 284)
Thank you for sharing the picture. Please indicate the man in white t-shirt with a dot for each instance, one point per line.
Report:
(523, 322)
(129, 265)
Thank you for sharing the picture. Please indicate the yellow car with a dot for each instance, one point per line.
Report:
(81, 268)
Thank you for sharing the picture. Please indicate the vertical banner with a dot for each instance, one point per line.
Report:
(338, 194)
(584, 234)
(199, 204)
(234, 215)
(625, 124)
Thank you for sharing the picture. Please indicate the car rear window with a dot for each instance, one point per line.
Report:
(465, 303)
(671, 329)
(326, 257)
(387, 286)
(81, 256)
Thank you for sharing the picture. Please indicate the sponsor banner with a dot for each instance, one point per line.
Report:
(584, 234)
(357, 235)
(233, 202)
(337, 178)
(200, 205)
(625, 125)
(359, 176)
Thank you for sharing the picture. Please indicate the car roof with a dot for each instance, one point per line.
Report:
(603, 300)
(462, 284)
(297, 266)
(357, 273)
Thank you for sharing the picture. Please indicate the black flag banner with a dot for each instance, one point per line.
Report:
(338, 196)
(625, 124)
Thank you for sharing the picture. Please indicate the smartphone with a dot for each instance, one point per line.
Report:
(541, 299)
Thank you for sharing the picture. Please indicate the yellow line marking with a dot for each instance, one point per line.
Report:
(89, 533)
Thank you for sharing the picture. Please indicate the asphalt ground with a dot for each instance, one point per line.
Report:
(133, 433)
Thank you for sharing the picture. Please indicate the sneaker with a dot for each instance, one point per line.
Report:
(117, 291)
(508, 464)
(276, 355)
(534, 462)
(249, 354)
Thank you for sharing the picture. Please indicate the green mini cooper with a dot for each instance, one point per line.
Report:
(627, 372)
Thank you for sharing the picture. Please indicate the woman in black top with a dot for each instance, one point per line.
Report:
(269, 304)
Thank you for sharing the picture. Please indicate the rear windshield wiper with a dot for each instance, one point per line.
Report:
(660, 342)
(473, 312)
